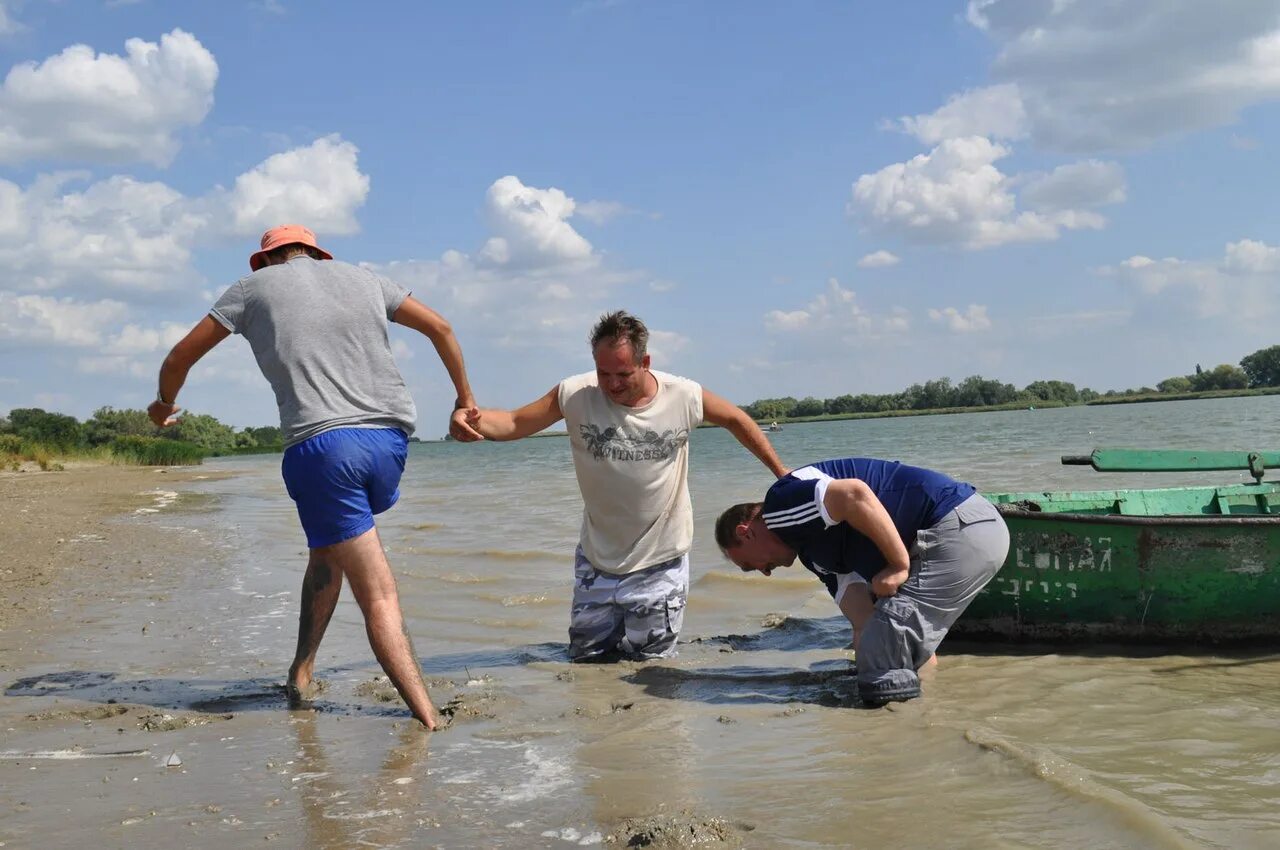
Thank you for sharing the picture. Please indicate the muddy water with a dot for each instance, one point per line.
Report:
(748, 738)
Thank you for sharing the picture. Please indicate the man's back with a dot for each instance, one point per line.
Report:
(914, 498)
(318, 330)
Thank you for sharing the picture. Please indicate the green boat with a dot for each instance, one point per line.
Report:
(1174, 565)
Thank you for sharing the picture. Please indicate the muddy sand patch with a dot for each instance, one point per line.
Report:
(143, 717)
(670, 832)
(470, 701)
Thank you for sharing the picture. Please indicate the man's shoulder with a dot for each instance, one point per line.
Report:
(667, 379)
(576, 383)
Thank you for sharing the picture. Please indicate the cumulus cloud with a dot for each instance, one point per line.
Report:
(994, 111)
(1241, 284)
(536, 282)
(531, 227)
(82, 106)
(974, 318)
(137, 237)
(1079, 185)
(955, 194)
(125, 233)
(787, 320)
(60, 321)
(1120, 75)
(1249, 255)
(320, 185)
(878, 260)
(837, 310)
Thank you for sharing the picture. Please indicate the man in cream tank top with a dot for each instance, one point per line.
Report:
(629, 429)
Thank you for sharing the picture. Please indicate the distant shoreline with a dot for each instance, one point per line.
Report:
(1022, 405)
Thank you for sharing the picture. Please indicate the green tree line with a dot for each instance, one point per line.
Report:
(129, 435)
(1259, 369)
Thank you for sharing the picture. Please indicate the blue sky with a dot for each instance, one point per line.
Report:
(805, 198)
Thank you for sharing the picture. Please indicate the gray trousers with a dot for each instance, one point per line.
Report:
(635, 616)
(950, 563)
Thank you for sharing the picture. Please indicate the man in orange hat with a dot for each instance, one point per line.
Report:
(318, 328)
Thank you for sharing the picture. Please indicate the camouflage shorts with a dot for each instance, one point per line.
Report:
(635, 616)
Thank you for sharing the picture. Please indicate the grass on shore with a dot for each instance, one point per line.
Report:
(16, 451)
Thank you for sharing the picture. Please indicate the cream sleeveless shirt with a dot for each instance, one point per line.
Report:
(632, 465)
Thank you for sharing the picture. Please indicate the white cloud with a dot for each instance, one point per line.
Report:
(878, 260)
(1089, 183)
(955, 195)
(121, 232)
(1242, 284)
(782, 320)
(531, 227)
(134, 339)
(994, 111)
(319, 185)
(601, 212)
(1248, 255)
(535, 283)
(664, 345)
(8, 25)
(59, 321)
(84, 106)
(1123, 74)
(556, 292)
(837, 310)
(137, 237)
(974, 318)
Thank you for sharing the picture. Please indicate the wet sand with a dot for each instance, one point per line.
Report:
(62, 541)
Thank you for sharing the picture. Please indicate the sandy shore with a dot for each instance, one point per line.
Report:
(62, 539)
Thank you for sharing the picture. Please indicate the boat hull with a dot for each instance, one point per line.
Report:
(1080, 577)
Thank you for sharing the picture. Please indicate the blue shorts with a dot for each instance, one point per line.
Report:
(341, 478)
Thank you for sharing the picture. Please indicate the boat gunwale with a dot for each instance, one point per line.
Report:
(1015, 511)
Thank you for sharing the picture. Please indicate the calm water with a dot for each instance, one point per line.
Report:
(750, 724)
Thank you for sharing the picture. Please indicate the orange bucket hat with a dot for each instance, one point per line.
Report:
(278, 237)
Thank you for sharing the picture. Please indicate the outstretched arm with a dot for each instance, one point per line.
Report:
(503, 425)
(173, 372)
(852, 501)
(412, 313)
(734, 419)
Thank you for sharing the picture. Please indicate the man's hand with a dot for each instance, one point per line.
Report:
(888, 580)
(462, 425)
(163, 415)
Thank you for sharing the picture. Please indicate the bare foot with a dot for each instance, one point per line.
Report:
(301, 693)
(432, 721)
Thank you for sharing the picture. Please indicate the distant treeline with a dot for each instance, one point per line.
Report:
(128, 436)
(1260, 369)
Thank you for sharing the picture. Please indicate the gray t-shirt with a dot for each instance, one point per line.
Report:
(319, 332)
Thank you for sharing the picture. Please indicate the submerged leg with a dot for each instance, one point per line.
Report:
(320, 589)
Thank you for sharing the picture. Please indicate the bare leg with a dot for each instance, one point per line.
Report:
(363, 562)
(320, 588)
